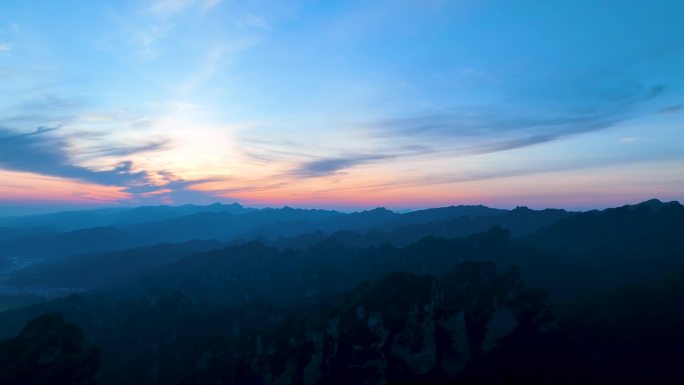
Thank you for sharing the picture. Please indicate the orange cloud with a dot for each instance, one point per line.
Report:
(27, 187)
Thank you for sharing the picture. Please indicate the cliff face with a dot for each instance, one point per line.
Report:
(404, 328)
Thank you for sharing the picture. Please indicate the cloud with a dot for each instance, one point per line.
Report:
(46, 110)
(166, 8)
(671, 109)
(5, 47)
(42, 153)
(169, 7)
(482, 175)
(172, 189)
(476, 74)
(467, 131)
(149, 146)
(147, 37)
(327, 166)
(205, 72)
(468, 134)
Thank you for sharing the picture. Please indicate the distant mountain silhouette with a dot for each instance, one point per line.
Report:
(379, 219)
(254, 270)
(57, 245)
(600, 249)
(74, 220)
(10, 233)
(446, 213)
(221, 225)
(519, 222)
(655, 204)
(226, 223)
(106, 269)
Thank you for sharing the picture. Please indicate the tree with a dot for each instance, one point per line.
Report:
(49, 350)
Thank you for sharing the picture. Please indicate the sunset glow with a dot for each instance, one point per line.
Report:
(356, 104)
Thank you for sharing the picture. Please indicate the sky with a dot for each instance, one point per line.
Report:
(340, 104)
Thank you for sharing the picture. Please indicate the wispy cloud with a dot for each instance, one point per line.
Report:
(42, 153)
(5, 47)
(484, 175)
(218, 56)
(327, 166)
(468, 131)
(147, 37)
(170, 188)
(150, 145)
(492, 132)
(476, 74)
(166, 8)
(671, 109)
(461, 132)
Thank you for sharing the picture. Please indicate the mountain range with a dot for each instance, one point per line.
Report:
(462, 294)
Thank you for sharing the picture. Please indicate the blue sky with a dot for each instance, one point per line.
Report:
(340, 103)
